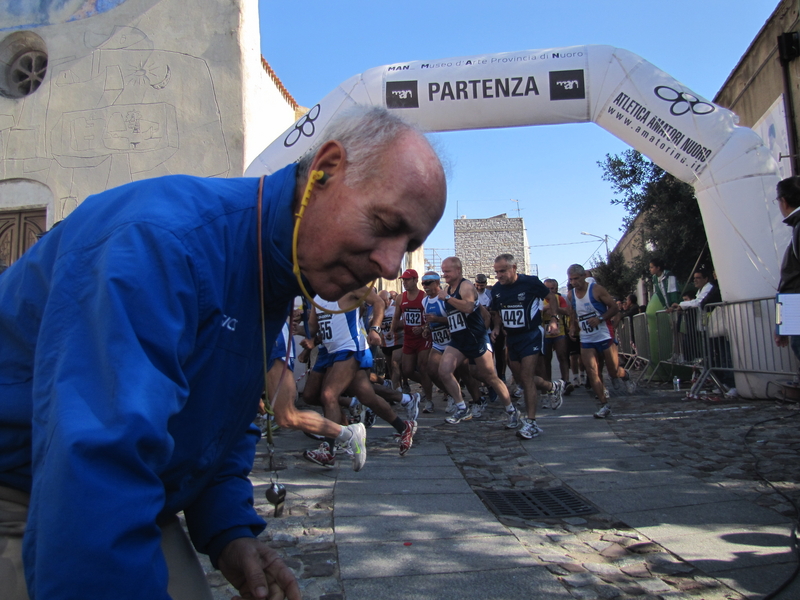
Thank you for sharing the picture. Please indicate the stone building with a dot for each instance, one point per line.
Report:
(94, 95)
(762, 88)
(480, 241)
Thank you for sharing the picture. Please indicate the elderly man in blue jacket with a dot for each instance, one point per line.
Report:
(131, 359)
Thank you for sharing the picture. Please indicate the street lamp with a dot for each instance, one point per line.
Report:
(603, 238)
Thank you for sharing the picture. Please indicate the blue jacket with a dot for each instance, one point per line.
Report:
(130, 372)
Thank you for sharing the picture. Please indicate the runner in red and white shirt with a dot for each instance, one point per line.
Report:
(416, 347)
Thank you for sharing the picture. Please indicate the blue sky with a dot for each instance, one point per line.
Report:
(551, 170)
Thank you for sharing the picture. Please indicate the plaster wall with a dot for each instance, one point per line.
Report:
(144, 89)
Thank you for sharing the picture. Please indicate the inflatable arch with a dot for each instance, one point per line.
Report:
(733, 174)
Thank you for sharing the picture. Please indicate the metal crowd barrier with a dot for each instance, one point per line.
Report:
(628, 333)
(720, 340)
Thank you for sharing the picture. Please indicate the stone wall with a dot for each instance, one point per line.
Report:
(480, 241)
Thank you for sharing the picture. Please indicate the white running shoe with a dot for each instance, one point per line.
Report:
(513, 419)
(356, 446)
(604, 411)
(518, 392)
(412, 407)
(451, 405)
(428, 408)
(529, 429)
(546, 399)
(558, 394)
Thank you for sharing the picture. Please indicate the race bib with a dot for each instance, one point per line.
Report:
(386, 325)
(325, 329)
(440, 337)
(457, 321)
(513, 318)
(413, 317)
(583, 321)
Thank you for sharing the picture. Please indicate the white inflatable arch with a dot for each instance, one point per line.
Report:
(733, 174)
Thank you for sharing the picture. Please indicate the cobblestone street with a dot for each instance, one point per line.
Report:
(595, 556)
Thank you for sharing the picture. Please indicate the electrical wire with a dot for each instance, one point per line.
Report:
(796, 521)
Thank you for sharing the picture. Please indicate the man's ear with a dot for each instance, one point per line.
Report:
(330, 159)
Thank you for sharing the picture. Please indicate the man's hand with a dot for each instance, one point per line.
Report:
(781, 340)
(374, 338)
(493, 334)
(257, 572)
(552, 327)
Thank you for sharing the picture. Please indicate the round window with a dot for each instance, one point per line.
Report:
(23, 64)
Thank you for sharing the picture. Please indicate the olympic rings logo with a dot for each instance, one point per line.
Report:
(682, 102)
(304, 127)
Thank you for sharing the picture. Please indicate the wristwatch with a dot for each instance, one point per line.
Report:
(375, 328)
(447, 297)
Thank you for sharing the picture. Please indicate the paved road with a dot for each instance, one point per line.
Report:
(680, 510)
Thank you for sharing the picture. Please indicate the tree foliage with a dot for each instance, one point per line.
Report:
(672, 227)
(615, 275)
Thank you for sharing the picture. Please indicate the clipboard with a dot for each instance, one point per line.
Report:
(787, 314)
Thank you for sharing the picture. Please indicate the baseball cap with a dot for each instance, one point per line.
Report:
(409, 274)
(480, 278)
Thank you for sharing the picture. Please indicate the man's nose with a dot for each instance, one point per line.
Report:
(388, 257)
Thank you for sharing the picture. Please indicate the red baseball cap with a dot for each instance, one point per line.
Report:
(409, 274)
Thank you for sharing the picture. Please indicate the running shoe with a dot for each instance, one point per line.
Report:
(513, 419)
(321, 456)
(547, 398)
(388, 383)
(518, 392)
(356, 446)
(451, 405)
(460, 414)
(616, 384)
(558, 394)
(576, 381)
(604, 411)
(568, 389)
(478, 409)
(407, 437)
(369, 417)
(630, 384)
(356, 414)
(412, 407)
(529, 429)
(606, 395)
(428, 408)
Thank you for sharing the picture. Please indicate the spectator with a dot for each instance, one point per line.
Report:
(665, 285)
(788, 198)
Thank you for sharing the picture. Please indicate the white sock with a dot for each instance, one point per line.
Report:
(462, 405)
(510, 409)
(344, 435)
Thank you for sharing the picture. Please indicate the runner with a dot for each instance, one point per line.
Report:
(415, 346)
(439, 332)
(391, 342)
(499, 343)
(469, 339)
(341, 365)
(555, 341)
(592, 307)
(516, 304)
